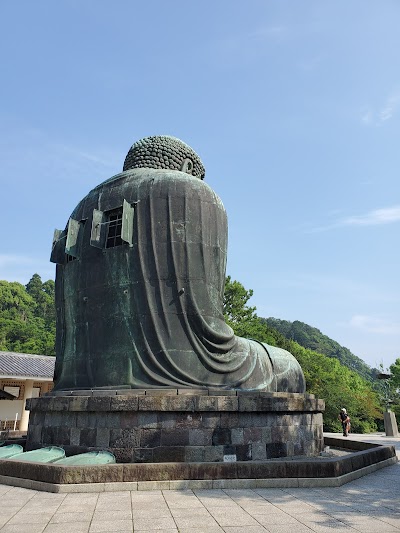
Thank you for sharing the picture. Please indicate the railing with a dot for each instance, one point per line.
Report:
(7, 425)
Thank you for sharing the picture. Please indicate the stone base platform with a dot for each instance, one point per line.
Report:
(192, 426)
(363, 459)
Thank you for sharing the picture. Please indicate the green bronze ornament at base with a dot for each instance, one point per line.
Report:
(140, 277)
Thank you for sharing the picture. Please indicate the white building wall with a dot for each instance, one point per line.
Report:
(8, 409)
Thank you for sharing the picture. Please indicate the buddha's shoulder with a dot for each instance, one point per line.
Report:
(159, 178)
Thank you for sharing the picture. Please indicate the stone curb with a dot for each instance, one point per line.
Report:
(196, 484)
(163, 476)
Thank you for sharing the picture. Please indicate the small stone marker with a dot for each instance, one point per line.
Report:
(230, 458)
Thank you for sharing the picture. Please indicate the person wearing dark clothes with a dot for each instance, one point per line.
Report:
(345, 420)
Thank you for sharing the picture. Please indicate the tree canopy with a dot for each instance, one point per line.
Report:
(27, 316)
(326, 376)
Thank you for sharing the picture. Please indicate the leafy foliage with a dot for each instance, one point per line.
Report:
(238, 315)
(313, 339)
(27, 316)
(394, 384)
(326, 375)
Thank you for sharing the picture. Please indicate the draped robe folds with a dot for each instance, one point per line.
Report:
(149, 314)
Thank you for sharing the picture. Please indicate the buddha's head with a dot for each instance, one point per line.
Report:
(163, 151)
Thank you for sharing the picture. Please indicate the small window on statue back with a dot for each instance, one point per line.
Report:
(114, 228)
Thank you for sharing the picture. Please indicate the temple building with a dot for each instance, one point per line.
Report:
(22, 376)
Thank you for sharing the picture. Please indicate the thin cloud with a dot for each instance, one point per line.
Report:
(385, 112)
(367, 117)
(52, 157)
(376, 217)
(387, 215)
(373, 324)
(390, 108)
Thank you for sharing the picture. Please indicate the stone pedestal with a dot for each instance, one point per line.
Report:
(155, 426)
(391, 428)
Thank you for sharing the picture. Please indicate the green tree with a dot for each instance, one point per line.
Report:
(43, 296)
(395, 371)
(27, 317)
(241, 317)
(326, 376)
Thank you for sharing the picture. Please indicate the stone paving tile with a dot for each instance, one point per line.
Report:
(317, 517)
(249, 529)
(81, 499)
(8, 511)
(244, 495)
(270, 520)
(295, 508)
(267, 508)
(373, 527)
(60, 518)
(23, 528)
(151, 513)
(72, 527)
(219, 501)
(10, 500)
(76, 508)
(226, 517)
(152, 495)
(117, 506)
(217, 493)
(153, 524)
(114, 498)
(158, 530)
(111, 525)
(29, 518)
(37, 507)
(111, 515)
(51, 496)
(393, 521)
(332, 529)
(117, 531)
(185, 512)
(333, 507)
(185, 522)
(147, 504)
(286, 528)
(172, 494)
(185, 502)
(202, 530)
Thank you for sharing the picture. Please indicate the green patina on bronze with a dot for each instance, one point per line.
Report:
(146, 310)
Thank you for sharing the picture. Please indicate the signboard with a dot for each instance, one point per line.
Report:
(230, 458)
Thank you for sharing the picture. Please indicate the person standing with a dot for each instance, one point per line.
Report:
(345, 420)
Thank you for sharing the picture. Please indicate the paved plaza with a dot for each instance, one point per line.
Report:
(369, 504)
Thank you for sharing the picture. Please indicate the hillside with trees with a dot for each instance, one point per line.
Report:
(312, 339)
(326, 376)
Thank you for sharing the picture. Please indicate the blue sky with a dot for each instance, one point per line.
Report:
(294, 108)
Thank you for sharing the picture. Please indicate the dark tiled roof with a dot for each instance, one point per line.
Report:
(25, 364)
